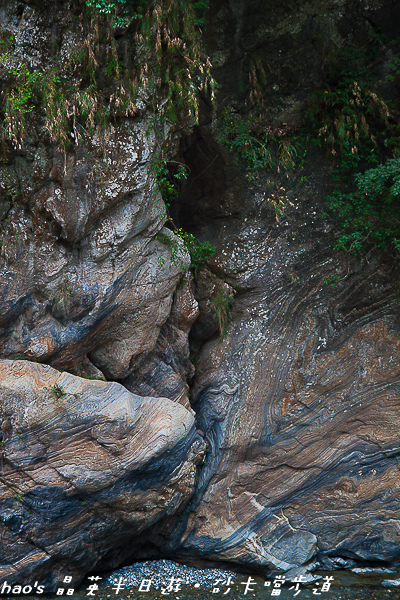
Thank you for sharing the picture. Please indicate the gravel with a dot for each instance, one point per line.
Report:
(161, 571)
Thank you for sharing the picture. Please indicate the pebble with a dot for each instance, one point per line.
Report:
(391, 582)
(161, 571)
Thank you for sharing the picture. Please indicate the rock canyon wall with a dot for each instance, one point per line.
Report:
(246, 413)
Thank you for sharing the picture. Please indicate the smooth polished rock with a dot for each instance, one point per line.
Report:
(167, 369)
(86, 467)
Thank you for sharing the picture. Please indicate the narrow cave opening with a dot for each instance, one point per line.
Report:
(199, 208)
(201, 196)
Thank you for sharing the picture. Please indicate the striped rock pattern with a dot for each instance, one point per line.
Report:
(299, 402)
(86, 468)
(300, 399)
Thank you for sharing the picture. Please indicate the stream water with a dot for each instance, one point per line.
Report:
(152, 581)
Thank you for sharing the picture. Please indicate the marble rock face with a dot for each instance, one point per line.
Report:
(300, 406)
(84, 283)
(299, 400)
(296, 383)
(87, 282)
(86, 468)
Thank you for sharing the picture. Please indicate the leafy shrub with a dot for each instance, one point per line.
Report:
(394, 67)
(261, 147)
(20, 101)
(370, 215)
(199, 251)
(167, 186)
(121, 11)
(359, 131)
(355, 125)
(165, 179)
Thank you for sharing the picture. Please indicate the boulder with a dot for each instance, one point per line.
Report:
(87, 467)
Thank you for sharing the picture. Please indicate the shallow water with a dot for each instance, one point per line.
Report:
(152, 581)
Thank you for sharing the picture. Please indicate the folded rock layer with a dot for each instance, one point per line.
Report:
(295, 372)
(86, 467)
